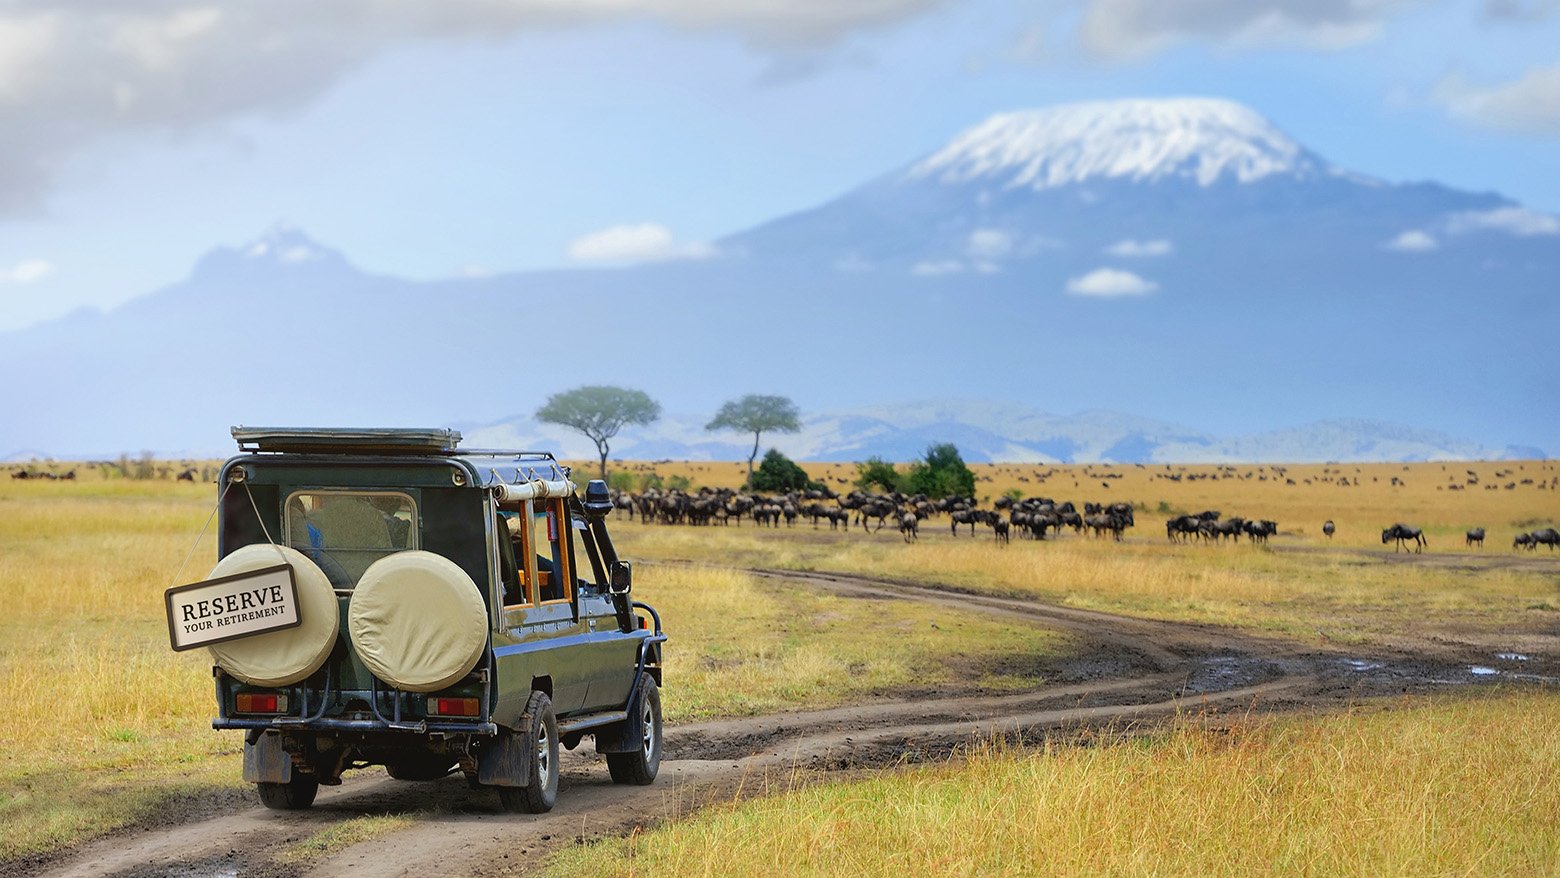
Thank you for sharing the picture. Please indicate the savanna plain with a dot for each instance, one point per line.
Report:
(106, 732)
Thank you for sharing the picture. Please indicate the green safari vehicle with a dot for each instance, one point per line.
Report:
(458, 611)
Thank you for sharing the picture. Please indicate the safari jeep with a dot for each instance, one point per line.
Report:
(457, 611)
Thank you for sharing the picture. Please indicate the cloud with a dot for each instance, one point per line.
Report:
(1529, 104)
(1520, 10)
(1126, 29)
(936, 268)
(1518, 221)
(1133, 248)
(1109, 283)
(645, 242)
(27, 271)
(73, 75)
(989, 244)
(1412, 241)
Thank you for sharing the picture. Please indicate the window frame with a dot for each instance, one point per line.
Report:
(413, 534)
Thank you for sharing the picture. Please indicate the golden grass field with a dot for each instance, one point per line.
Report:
(1451, 787)
(107, 727)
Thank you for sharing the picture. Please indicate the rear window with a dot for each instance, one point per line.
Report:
(346, 531)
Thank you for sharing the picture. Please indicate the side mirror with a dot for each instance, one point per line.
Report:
(622, 577)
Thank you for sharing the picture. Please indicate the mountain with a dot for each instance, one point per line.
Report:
(1002, 432)
(1184, 259)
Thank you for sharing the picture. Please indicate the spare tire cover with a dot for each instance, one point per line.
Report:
(281, 658)
(417, 621)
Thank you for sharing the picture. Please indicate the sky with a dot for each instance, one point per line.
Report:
(441, 138)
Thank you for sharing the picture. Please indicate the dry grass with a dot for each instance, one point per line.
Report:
(1454, 788)
(96, 702)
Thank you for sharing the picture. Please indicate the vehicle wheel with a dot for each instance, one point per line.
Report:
(419, 768)
(644, 718)
(295, 795)
(541, 735)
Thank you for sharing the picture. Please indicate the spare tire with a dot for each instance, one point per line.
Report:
(417, 621)
(281, 658)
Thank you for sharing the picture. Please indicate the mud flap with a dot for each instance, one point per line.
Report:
(620, 737)
(505, 761)
(265, 761)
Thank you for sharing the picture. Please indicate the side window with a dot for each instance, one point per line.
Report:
(586, 573)
(547, 523)
(513, 535)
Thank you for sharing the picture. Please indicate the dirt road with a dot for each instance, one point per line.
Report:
(1125, 670)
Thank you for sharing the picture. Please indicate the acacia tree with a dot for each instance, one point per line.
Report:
(599, 411)
(757, 414)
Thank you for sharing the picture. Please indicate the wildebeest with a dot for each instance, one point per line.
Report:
(1523, 541)
(1475, 535)
(1328, 528)
(1259, 531)
(1546, 537)
(1000, 528)
(1403, 533)
(910, 526)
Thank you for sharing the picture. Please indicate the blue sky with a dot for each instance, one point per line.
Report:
(468, 136)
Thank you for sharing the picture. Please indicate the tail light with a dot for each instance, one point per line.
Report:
(454, 706)
(260, 702)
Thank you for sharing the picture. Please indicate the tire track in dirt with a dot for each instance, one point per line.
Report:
(1174, 667)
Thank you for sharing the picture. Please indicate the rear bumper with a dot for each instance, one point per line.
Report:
(295, 724)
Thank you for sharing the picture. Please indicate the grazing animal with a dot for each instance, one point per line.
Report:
(1000, 529)
(1475, 535)
(1328, 528)
(1259, 531)
(1403, 533)
(1546, 537)
(910, 526)
(1523, 541)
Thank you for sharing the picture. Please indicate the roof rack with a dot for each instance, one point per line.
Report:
(337, 440)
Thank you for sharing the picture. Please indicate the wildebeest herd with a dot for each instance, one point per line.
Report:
(1032, 518)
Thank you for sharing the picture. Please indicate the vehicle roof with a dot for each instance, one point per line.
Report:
(491, 466)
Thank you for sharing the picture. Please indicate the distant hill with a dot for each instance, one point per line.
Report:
(1004, 432)
(1184, 259)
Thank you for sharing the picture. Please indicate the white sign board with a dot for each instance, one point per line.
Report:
(241, 605)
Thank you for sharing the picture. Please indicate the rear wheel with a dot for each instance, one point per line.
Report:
(644, 718)
(541, 737)
(295, 795)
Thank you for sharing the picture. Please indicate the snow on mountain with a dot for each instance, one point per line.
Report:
(1002, 432)
(1201, 139)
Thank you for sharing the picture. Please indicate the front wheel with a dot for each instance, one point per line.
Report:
(295, 795)
(541, 737)
(644, 718)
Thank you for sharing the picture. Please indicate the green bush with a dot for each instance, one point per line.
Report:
(941, 473)
(779, 474)
(878, 473)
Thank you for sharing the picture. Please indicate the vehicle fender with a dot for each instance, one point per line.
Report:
(504, 761)
(266, 762)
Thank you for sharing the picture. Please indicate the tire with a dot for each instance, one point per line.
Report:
(419, 768)
(644, 721)
(540, 735)
(295, 795)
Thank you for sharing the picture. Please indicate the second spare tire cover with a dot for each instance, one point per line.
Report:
(281, 658)
(417, 621)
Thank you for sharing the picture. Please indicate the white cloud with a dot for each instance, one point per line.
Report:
(645, 242)
(473, 271)
(27, 271)
(1412, 241)
(1134, 248)
(1529, 104)
(989, 244)
(1138, 28)
(1107, 283)
(937, 268)
(74, 74)
(1513, 220)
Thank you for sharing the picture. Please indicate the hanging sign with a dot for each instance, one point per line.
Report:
(229, 607)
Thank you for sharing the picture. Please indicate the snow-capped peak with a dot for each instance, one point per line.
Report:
(1201, 139)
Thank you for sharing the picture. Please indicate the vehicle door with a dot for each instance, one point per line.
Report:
(547, 637)
(610, 655)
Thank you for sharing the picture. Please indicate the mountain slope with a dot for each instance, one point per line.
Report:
(1182, 259)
